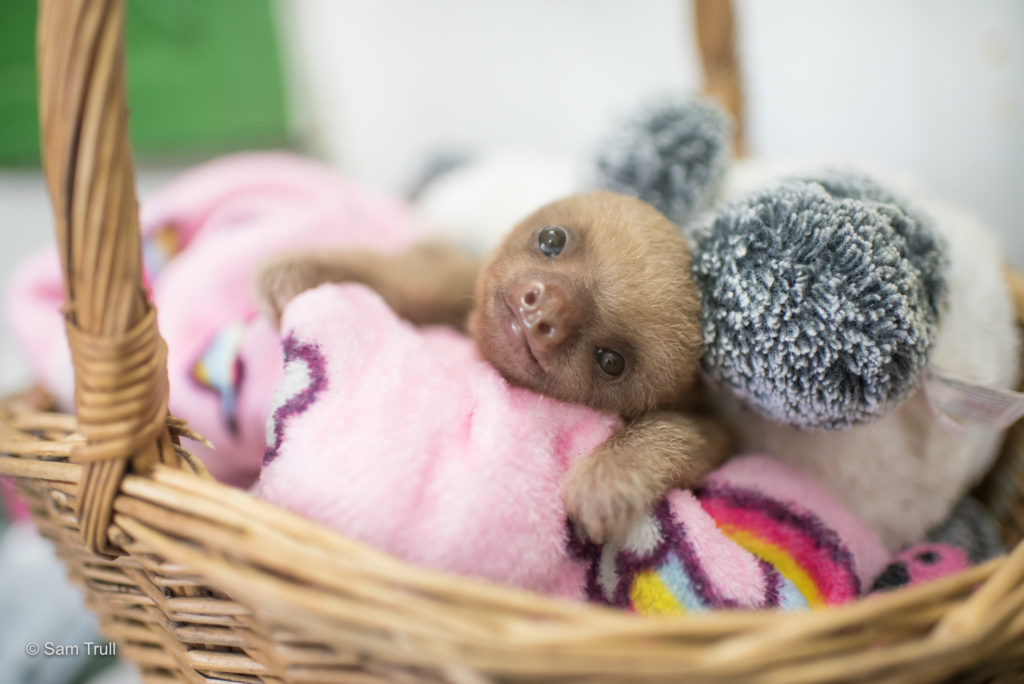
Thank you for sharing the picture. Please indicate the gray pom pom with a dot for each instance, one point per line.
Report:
(820, 300)
(672, 155)
(914, 228)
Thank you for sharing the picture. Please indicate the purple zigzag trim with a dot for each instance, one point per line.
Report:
(586, 551)
(772, 584)
(579, 548)
(676, 538)
(821, 535)
(231, 409)
(317, 367)
(629, 564)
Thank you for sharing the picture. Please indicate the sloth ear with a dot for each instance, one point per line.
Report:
(672, 153)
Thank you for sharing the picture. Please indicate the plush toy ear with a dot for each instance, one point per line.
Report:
(820, 300)
(672, 153)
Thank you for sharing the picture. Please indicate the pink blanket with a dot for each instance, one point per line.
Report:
(405, 439)
(203, 235)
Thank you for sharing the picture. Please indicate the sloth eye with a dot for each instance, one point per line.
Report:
(611, 362)
(551, 240)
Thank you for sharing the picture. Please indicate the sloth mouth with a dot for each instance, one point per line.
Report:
(515, 335)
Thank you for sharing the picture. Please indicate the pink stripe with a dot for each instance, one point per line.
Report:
(787, 484)
(832, 580)
(734, 572)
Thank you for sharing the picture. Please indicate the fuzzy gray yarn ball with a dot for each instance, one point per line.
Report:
(672, 154)
(923, 251)
(820, 300)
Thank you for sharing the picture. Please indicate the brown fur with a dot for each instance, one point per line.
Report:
(429, 283)
(629, 269)
(622, 282)
(627, 475)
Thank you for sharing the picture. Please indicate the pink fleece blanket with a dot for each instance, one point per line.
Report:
(405, 439)
(203, 235)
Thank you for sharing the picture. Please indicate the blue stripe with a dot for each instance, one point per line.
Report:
(790, 597)
(677, 581)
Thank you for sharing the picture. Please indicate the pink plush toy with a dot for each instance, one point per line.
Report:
(921, 563)
(405, 439)
(203, 236)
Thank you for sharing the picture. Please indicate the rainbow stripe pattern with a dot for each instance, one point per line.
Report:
(733, 545)
(220, 369)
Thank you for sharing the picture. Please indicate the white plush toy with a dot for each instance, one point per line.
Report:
(904, 471)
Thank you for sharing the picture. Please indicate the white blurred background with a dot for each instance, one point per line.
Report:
(934, 87)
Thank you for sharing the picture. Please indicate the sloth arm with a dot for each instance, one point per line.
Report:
(430, 283)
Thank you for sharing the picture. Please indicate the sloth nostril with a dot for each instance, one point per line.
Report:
(530, 298)
(544, 329)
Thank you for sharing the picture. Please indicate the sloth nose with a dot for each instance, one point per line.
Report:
(545, 311)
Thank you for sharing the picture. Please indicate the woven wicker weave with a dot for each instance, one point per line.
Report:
(200, 582)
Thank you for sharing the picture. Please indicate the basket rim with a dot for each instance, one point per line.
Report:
(262, 515)
(168, 511)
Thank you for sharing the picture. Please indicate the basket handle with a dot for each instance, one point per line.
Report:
(715, 27)
(119, 357)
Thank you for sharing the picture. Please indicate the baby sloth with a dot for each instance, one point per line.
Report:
(587, 300)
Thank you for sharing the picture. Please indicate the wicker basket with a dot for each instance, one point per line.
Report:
(201, 582)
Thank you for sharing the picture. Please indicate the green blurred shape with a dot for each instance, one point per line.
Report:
(204, 76)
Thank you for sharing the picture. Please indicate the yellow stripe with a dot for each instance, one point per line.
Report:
(650, 596)
(779, 558)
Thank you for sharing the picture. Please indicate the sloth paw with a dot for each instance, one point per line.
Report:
(604, 499)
